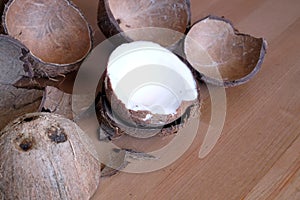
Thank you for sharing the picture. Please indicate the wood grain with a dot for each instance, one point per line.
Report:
(258, 155)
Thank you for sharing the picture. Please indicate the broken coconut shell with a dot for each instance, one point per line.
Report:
(45, 156)
(147, 85)
(222, 55)
(14, 102)
(56, 34)
(146, 90)
(57, 102)
(130, 17)
(18, 97)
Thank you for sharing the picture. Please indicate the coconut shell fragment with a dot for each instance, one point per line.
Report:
(56, 34)
(45, 156)
(221, 54)
(57, 102)
(14, 102)
(135, 18)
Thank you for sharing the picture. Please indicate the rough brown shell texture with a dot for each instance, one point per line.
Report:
(56, 34)
(58, 102)
(115, 127)
(14, 102)
(2, 5)
(136, 118)
(221, 54)
(45, 156)
(129, 17)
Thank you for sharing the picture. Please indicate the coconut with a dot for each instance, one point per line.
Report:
(146, 87)
(222, 55)
(134, 19)
(56, 35)
(45, 156)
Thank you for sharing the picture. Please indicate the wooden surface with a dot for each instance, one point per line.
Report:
(258, 155)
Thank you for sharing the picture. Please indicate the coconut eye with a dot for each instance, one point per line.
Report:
(27, 144)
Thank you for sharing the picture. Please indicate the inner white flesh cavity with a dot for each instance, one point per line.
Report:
(147, 76)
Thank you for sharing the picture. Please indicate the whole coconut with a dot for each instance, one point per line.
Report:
(45, 156)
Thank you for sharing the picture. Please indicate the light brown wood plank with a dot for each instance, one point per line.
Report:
(292, 189)
(280, 175)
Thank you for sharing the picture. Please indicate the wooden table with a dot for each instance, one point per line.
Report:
(258, 155)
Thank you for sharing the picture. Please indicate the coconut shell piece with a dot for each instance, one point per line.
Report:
(222, 55)
(14, 102)
(130, 17)
(20, 93)
(56, 35)
(57, 102)
(45, 156)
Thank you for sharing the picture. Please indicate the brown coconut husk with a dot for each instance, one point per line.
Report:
(20, 94)
(14, 102)
(57, 102)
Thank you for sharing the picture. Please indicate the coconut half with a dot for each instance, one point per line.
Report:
(147, 86)
(221, 54)
(140, 19)
(55, 32)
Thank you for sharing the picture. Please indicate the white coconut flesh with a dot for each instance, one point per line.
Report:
(148, 77)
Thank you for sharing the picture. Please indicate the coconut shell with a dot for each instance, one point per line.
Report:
(57, 102)
(20, 92)
(114, 127)
(45, 156)
(14, 102)
(56, 35)
(129, 17)
(220, 54)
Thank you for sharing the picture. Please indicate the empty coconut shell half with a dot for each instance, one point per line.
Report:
(55, 32)
(147, 87)
(160, 21)
(222, 55)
